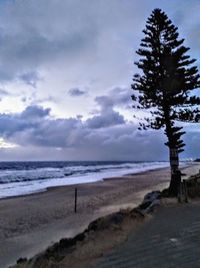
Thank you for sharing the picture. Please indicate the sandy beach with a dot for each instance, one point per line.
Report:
(28, 224)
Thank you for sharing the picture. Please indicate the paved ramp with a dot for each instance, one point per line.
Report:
(170, 239)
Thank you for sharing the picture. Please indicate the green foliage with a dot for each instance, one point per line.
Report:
(166, 79)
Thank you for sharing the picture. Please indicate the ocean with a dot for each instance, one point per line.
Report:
(22, 178)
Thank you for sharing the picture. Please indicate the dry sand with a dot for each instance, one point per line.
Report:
(29, 224)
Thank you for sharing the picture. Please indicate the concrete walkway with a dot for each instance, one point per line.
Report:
(170, 239)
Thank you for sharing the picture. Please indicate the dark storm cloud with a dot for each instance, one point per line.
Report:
(105, 119)
(32, 35)
(34, 127)
(32, 112)
(29, 119)
(98, 35)
(118, 96)
(107, 116)
(76, 92)
(30, 78)
(94, 138)
(87, 43)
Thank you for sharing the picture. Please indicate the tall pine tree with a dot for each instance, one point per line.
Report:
(165, 83)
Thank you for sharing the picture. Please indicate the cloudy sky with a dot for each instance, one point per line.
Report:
(66, 67)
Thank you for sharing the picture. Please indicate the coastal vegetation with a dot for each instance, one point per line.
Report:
(165, 86)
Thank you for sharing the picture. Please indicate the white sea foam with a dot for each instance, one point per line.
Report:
(23, 182)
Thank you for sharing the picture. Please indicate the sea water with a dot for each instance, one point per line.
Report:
(22, 178)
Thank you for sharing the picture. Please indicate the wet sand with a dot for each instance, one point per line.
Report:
(28, 224)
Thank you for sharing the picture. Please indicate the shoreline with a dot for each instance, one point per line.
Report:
(121, 176)
(51, 188)
(44, 218)
(86, 179)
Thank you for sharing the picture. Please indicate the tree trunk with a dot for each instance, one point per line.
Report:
(175, 172)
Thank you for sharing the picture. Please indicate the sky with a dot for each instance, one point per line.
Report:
(66, 70)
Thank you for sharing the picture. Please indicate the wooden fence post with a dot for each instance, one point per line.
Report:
(75, 201)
